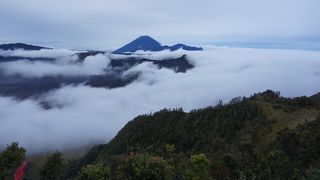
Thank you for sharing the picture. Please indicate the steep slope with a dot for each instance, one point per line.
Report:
(262, 116)
(141, 43)
(264, 136)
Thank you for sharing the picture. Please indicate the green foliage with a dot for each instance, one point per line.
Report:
(231, 135)
(301, 145)
(313, 174)
(95, 172)
(54, 167)
(139, 166)
(278, 166)
(170, 148)
(200, 167)
(76, 165)
(292, 153)
(175, 127)
(10, 159)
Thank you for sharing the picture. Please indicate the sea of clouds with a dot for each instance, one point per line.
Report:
(65, 66)
(84, 114)
(42, 53)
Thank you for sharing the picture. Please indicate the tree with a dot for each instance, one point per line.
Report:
(95, 172)
(144, 167)
(170, 149)
(313, 174)
(54, 167)
(10, 159)
(200, 167)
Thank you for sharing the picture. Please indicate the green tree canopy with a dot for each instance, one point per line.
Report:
(54, 167)
(200, 167)
(95, 172)
(10, 159)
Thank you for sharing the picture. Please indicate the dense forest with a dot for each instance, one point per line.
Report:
(265, 136)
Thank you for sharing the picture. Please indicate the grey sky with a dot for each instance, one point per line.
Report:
(106, 24)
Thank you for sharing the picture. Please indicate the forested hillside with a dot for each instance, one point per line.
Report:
(264, 136)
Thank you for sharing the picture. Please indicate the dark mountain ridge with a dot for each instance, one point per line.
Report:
(180, 64)
(14, 46)
(265, 136)
(21, 46)
(22, 88)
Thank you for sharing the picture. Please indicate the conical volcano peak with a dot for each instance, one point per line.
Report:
(142, 43)
(147, 43)
(146, 40)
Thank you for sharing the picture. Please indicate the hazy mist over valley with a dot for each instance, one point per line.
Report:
(81, 113)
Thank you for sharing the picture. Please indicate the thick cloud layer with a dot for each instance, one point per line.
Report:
(84, 114)
(157, 55)
(42, 53)
(65, 66)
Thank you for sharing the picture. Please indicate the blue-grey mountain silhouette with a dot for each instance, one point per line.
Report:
(146, 43)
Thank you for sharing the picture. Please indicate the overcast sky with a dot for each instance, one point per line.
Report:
(107, 24)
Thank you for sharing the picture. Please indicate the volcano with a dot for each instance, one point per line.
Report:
(147, 43)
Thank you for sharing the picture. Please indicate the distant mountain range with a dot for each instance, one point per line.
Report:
(146, 43)
(22, 46)
(142, 43)
(14, 46)
(25, 87)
